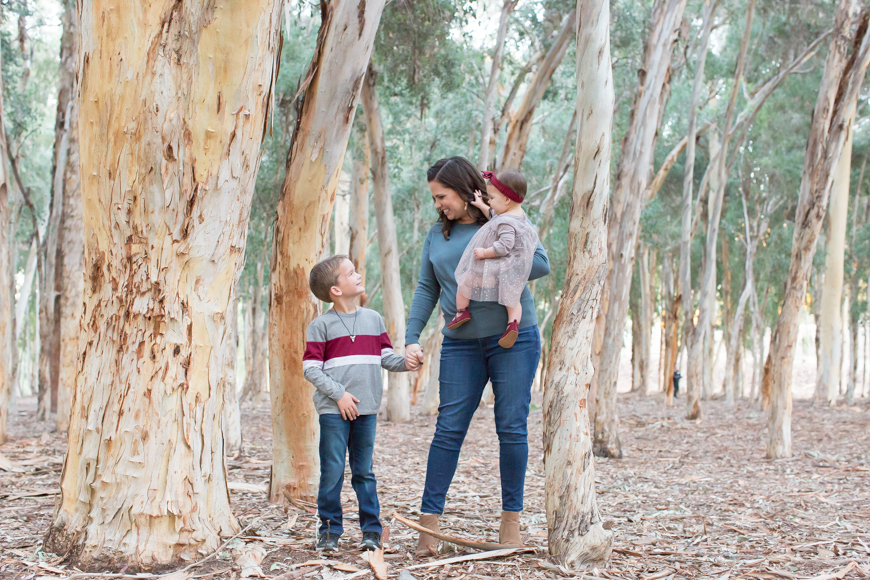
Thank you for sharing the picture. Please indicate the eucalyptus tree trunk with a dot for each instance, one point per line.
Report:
(641, 324)
(670, 328)
(701, 334)
(576, 534)
(341, 219)
(256, 375)
(6, 321)
(399, 392)
(431, 397)
(486, 133)
(830, 321)
(847, 61)
(71, 242)
(325, 116)
(623, 219)
(520, 123)
(359, 203)
(232, 421)
(166, 194)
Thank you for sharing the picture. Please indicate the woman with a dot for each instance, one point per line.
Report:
(470, 355)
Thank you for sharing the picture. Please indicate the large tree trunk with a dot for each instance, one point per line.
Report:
(359, 203)
(71, 243)
(6, 321)
(399, 393)
(847, 61)
(520, 123)
(492, 86)
(830, 320)
(323, 123)
(576, 534)
(166, 196)
(632, 178)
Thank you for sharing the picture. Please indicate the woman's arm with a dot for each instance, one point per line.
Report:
(425, 297)
(540, 263)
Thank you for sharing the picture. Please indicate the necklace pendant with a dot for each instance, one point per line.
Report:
(353, 338)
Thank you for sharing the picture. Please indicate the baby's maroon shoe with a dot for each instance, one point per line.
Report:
(509, 337)
(461, 318)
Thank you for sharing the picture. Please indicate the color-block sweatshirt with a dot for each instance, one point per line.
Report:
(337, 361)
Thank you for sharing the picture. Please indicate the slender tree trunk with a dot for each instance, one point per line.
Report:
(830, 321)
(636, 332)
(431, 398)
(646, 312)
(6, 321)
(21, 314)
(359, 204)
(398, 396)
(232, 421)
(324, 121)
(166, 194)
(847, 61)
(670, 327)
(71, 243)
(576, 534)
(520, 124)
(632, 177)
(492, 86)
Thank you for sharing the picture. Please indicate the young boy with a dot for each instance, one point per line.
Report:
(344, 352)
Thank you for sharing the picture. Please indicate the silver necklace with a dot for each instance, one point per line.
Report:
(352, 334)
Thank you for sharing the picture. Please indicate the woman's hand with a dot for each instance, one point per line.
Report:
(413, 357)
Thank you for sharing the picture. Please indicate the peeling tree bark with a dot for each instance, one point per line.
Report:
(399, 392)
(520, 123)
(847, 61)
(324, 120)
(71, 242)
(576, 534)
(173, 116)
(632, 178)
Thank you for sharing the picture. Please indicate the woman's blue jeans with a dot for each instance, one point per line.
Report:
(466, 366)
(356, 440)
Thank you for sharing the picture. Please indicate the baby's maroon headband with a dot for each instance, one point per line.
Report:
(509, 193)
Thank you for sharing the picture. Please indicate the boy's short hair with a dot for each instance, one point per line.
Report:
(513, 179)
(324, 275)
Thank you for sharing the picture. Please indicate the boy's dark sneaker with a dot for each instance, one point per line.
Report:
(370, 541)
(327, 542)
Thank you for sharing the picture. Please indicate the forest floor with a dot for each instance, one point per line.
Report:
(688, 500)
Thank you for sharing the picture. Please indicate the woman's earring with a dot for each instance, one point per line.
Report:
(466, 206)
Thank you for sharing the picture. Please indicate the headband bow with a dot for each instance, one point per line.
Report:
(507, 191)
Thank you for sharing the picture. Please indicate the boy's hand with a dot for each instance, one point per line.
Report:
(347, 406)
(413, 357)
(480, 253)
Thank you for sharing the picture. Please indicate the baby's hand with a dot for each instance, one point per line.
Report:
(479, 203)
(480, 253)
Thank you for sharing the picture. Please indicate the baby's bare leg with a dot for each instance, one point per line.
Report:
(462, 297)
(514, 312)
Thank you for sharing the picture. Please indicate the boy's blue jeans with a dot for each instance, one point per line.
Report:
(356, 439)
(466, 365)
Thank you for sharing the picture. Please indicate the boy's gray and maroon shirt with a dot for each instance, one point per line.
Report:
(335, 364)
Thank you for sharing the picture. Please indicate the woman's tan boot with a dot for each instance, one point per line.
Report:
(509, 530)
(428, 545)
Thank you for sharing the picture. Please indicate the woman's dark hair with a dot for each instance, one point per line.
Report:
(458, 173)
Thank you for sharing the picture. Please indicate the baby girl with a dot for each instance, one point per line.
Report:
(496, 264)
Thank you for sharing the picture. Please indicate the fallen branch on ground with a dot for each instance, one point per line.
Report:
(487, 546)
